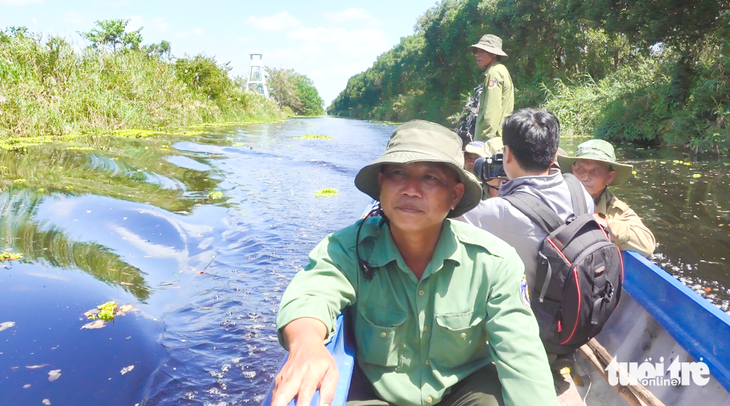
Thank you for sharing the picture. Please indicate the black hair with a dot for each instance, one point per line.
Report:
(532, 136)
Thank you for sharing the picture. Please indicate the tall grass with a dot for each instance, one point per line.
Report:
(49, 88)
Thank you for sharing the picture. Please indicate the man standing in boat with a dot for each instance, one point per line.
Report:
(498, 98)
(595, 165)
(439, 309)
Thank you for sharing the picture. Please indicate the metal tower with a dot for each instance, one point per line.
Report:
(256, 79)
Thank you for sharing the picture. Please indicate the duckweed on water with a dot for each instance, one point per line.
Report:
(315, 137)
(215, 195)
(10, 256)
(106, 311)
(328, 192)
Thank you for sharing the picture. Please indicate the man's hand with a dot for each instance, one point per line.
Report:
(308, 368)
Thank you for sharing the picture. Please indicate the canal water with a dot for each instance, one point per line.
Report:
(202, 233)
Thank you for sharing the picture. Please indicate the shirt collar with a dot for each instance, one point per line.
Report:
(385, 250)
(604, 201)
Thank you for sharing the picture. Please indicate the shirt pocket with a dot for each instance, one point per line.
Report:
(457, 339)
(379, 333)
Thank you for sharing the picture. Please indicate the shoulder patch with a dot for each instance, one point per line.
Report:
(492, 83)
(525, 292)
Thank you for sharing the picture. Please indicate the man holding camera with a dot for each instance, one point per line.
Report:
(531, 139)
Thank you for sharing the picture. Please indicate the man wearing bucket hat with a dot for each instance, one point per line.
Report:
(498, 98)
(595, 165)
(438, 308)
(472, 151)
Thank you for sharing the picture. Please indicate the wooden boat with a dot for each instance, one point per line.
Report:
(658, 322)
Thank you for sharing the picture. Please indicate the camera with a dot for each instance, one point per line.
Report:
(490, 167)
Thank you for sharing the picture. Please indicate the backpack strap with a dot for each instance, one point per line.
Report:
(577, 196)
(536, 210)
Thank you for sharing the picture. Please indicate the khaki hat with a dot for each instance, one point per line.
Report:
(597, 150)
(477, 147)
(423, 141)
(490, 43)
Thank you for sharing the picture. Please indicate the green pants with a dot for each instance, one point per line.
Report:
(482, 388)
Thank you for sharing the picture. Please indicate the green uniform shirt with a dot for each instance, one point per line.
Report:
(495, 103)
(416, 339)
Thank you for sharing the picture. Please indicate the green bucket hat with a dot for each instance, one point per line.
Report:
(423, 141)
(490, 43)
(597, 150)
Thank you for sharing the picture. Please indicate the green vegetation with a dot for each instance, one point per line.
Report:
(315, 137)
(48, 89)
(10, 256)
(294, 91)
(646, 71)
(327, 192)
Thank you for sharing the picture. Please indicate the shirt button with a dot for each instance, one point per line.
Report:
(428, 363)
(383, 334)
(425, 328)
(462, 236)
(421, 292)
(463, 335)
(429, 400)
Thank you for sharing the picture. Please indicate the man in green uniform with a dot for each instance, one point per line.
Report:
(595, 165)
(498, 97)
(440, 309)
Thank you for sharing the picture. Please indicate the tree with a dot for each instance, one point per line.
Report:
(309, 96)
(163, 50)
(294, 90)
(111, 34)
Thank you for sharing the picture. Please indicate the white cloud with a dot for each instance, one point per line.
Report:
(74, 17)
(120, 3)
(20, 2)
(160, 24)
(188, 33)
(276, 22)
(352, 14)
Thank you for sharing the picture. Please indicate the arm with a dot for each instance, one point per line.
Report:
(629, 232)
(490, 109)
(305, 321)
(309, 366)
(514, 339)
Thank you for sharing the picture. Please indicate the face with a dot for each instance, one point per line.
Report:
(594, 175)
(483, 58)
(493, 186)
(469, 159)
(417, 197)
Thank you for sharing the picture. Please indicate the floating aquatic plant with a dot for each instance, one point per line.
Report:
(328, 192)
(77, 148)
(10, 256)
(316, 137)
(215, 195)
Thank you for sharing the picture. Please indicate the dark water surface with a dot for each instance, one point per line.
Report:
(134, 221)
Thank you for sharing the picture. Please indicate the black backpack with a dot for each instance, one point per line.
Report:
(580, 272)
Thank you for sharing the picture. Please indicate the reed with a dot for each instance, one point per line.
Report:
(50, 87)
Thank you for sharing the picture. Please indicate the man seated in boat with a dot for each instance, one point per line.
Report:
(595, 165)
(439, 308)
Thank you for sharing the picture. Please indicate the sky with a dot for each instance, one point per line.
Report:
(327, 40)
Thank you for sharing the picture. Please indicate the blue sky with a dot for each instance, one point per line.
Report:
(327, 40)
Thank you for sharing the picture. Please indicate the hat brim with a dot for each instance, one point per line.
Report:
(487, 48)
(367, 179)
(623, 171)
